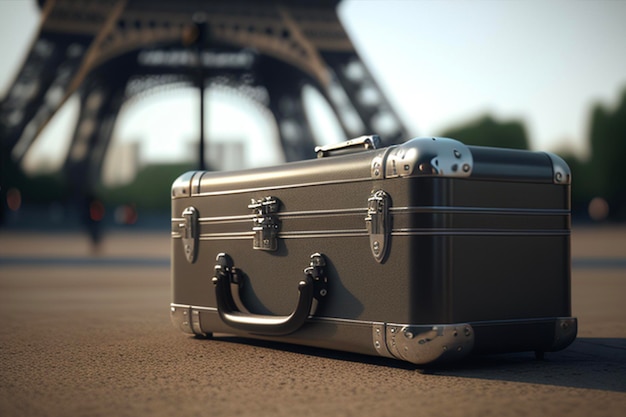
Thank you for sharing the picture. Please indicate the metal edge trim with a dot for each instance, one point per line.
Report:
(180, 317)
(566, 330)
(378, 165)
(430, 156)
(425, 344)
(379, 338)
(196, 182)
(196, 325)
(181, 186)
(187, 318)
(561, 171)
(417, 344)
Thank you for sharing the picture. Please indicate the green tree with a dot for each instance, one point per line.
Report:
(150, 190)
(36, 188)
(607, 167)
(486, 131)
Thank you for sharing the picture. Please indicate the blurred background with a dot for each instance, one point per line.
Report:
(101, 101)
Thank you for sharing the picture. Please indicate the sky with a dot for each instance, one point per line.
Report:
(440, 64)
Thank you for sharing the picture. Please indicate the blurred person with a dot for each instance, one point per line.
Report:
(93, 214)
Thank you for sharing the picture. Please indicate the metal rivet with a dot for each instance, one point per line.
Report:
(323, 292)
(408, 335)
(467, 331)
(457, 154)
(377, 344)
(376, 169)
(455, 167)
(466, 167)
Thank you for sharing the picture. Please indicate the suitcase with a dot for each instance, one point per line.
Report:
(425, 251)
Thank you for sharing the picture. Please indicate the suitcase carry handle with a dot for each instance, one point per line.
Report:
(363, 143)
(312, 288)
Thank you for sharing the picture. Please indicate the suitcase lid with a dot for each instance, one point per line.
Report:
(432, 156)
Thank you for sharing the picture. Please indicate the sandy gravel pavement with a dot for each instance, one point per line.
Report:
(93, 338)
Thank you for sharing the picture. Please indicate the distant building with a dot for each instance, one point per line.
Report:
(224, 154)
(121, 163)
(227, 156)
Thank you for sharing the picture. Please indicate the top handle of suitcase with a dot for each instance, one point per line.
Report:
(362, 143)
(313, 287)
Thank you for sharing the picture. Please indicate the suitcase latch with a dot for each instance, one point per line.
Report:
(377, 223)
(189, 228)
(265, 223)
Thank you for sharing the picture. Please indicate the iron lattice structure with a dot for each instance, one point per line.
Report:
(111, 51)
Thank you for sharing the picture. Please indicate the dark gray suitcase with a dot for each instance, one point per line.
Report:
(424, 251)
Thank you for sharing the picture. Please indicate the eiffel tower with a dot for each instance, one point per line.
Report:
(110, 51)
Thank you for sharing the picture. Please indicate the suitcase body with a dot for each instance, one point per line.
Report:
(423, 251)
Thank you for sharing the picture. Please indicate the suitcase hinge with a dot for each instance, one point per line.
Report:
(377, 223)
(265, 224)
(190, 233)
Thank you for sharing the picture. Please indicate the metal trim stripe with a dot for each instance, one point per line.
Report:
(219, 219)
(226, 236)
(480, 232)
(322, 213)
(483, 210)
(394, 232)
(323, 233)
(311, 318)
(397, 210)
(226, 219)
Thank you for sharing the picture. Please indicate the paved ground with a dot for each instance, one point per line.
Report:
(85, 336)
